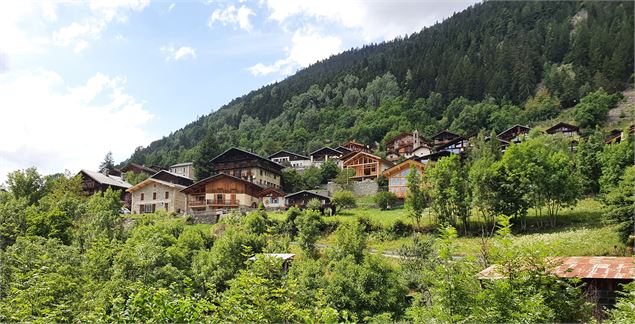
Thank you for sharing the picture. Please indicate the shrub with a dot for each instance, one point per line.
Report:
(385, 199)
(400, 229)
(314, 204)
(344, 199)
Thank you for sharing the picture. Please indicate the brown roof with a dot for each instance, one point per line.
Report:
(596, 267)
(216, 176)
(372, 156)
(586, 267)
(555, 127)
(405, 164)
(273, 191)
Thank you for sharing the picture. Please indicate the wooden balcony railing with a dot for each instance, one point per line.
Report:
(214, 203)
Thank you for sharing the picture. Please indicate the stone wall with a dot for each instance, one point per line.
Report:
(359, 188)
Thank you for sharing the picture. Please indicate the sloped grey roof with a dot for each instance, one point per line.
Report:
(110, 180)
(181, 164)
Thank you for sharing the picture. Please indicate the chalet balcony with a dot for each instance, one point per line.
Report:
(214, 203)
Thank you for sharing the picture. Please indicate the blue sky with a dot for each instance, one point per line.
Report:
(79, 79)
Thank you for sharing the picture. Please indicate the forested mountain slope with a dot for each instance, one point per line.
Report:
(490, 66)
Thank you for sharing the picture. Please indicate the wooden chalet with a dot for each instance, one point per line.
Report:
(221, 192)
(356, 146)
(457, 146)
(501, 143)
(514, 134)
(249, 167)
(153, 194)
(366, 165)
(291, 159)
(93, 182)
(406, 145)
(170, 177)
(617, 135)
(300, 199)
(398, 174)
(444, 137)
(324, 154)
(433, 157)
(564, 129)
(343, 150)
(272, 198)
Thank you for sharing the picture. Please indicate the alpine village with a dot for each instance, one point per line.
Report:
(480, 170)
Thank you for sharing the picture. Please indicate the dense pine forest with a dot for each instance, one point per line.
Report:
(493, 65)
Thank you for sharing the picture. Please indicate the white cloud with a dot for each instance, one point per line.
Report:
(102, 12)
(54, 127)
(176, 54)
(376, 20)
(171, 7)
(307, 47)
(232, 16)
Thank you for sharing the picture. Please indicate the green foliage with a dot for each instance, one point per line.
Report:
(27, 184)
(343, 200)
(385, 199)
(329, 170)
(311, 178)
(308, 224)
(621, 201)
(42, 281)
(12, 219)
(350, 240)
(291, 180)
(206, 150)
(213, 269)
(449, 191)
(593, 108)
(542, 106)
(416, 198)
(343, 179)
(101, 218)
(314, 204)
(587, 162)
(624, 311)
(613, 160)
(255, 222)
(108, 164)
(135, 178)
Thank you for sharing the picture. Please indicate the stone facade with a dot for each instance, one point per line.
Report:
(359, 188)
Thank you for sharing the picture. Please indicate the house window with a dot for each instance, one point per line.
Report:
(142, 196)
(219, 198)
(166, 206)
(167, 194)
(154, 196)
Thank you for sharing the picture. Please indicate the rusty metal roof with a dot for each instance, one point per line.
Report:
(596, 267)
(586, 267)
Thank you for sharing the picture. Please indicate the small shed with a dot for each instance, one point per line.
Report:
(602, 275)
(300, 199)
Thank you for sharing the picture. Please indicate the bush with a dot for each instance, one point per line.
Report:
(400, 229)
(314, 204)
(385, 199)
(343, 199)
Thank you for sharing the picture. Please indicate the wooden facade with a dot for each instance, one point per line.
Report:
(398, 174)
(356, 146)
(564, 129)
(457, 146)
(93, 182)
(222, 191)
(323, 154)
(366, 165)
(444, 137)
(514, 134)
(249, 167)
(301, 199)
(170, 177)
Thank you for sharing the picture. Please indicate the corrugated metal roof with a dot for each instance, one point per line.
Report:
(596, 267)
(585, 267)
